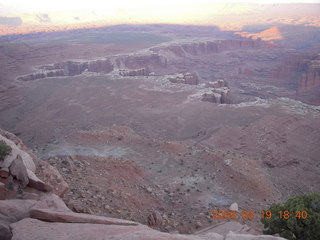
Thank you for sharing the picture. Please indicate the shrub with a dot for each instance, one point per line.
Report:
(5, 150)
(295, 224)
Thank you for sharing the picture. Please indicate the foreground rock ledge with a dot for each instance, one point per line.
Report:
(32, 229)
(71, 217)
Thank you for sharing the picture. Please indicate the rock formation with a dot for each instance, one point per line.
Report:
(134, 72)
(185, 78)
(310, 73)
(69, 68)
(220, 92)
(217, 84)
(22, 168)
(304, 69)
(143, 61)
(302, 72)
(209, 47)
(141, 64)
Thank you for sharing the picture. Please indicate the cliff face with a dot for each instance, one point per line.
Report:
(70, 68)
(305, 69)
(144, 61)
(310, 74)
(209, 47)
(141, 64)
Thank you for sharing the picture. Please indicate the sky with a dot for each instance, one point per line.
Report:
(30, 6)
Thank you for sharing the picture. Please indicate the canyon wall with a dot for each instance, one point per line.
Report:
(304, 70)
(141, 64)
(209, 47)
(69, 68)
(143, 61)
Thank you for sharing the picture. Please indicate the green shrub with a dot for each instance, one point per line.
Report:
(301, 220)
(5, 150)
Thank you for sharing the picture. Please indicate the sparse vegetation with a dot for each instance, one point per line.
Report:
(298, 218)
(5, 150)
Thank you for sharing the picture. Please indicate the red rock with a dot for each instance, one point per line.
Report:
(51, 201)
(4, 172)
(32, 229)
(36, 183)
(15, 209)
(19, 170)
(43, 177)
(71, 217)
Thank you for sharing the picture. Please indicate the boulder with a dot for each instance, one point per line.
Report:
(28, 168)
(16, 151)
(19, 171)
(36, 183)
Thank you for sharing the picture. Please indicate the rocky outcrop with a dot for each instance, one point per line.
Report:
(185, 78)
(69, 68)
(134, 72)
(302, 73)
(217, 84)
(220, 92)
(310, 74)
(142, 64)
(304, 69)
(21, 169)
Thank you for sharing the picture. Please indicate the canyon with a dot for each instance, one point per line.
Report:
(159, 124)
